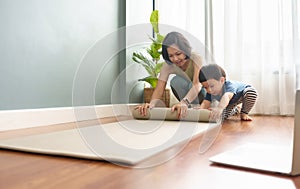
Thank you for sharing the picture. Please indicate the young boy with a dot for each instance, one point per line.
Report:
(229, 94)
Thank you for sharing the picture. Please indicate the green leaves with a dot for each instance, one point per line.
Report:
(150, 66)
(154, 18)
(151, 60)
(151, 80)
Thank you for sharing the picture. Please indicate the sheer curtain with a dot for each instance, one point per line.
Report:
(256, 41)
(186, 15)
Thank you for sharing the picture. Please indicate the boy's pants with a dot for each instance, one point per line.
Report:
(248, 100)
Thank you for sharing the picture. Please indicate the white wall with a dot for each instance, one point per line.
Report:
(138, 30)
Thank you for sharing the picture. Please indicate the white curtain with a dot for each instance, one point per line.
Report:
(256, 41)
(187, 15)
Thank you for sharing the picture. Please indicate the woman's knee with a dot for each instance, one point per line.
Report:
(179, 83)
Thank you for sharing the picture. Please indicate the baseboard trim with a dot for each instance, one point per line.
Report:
(26, 118)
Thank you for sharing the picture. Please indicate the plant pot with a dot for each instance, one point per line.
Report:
(165, 98)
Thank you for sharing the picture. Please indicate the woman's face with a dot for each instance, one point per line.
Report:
(176, 56)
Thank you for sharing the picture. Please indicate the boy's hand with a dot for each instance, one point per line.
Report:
(216, 113)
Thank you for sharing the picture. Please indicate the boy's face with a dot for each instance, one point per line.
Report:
(214, 87)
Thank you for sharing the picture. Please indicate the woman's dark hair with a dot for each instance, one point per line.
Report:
(211, 71)
(175, 38)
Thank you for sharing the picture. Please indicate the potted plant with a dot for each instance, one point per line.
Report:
(150, 59)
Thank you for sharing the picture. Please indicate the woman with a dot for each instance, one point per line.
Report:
(185, 64)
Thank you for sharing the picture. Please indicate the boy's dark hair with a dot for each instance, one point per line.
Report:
(175, 38)
(211, 71)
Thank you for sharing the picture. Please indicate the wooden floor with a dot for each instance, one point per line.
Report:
(188, 169)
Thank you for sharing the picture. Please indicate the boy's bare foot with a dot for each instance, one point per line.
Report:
(245, 117)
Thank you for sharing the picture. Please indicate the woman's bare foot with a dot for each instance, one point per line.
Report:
(245, 117)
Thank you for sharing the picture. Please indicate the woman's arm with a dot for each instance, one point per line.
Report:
(161, 84)
(157, 93)
(182, 106)
(194, 91)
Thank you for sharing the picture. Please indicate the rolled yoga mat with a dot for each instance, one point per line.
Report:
(197, 115)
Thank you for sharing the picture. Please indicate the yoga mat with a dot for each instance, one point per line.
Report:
(201, 115)
(129, 142)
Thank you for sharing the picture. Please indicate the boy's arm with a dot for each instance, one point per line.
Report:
(216, 112)
(225, 100)
(205, 104)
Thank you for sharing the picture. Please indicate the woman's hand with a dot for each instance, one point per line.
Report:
(181, 109)
(143, 108)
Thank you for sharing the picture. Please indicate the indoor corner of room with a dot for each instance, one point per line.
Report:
(150, 94)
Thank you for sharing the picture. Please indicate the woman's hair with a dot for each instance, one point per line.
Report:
(175, 38)
(211, 71)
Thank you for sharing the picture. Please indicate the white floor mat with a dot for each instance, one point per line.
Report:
(128, 142)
